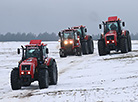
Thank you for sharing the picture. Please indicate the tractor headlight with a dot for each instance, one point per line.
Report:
(107, 42)
(22, 72)
(65, 42)
(28, 72)
(113, 41)
(71, 42)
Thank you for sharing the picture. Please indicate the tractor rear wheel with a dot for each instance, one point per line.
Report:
(90, 46)
(84, 47)
(62, 53)
(43, 78)
(129, 43)
(15, 81)
(53, 73)
(101, 48)
(123, 45)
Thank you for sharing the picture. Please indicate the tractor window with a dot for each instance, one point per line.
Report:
(44, 51)
(68, 35)
(111, 26)
(75, 35)
(32, 52)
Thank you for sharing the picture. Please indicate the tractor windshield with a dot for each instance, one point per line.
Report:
(68, 35)
(32, 52)
(111, 26)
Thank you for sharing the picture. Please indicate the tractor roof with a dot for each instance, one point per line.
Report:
(77, 27)
(69, 30)
(36, 43)
(113, 18)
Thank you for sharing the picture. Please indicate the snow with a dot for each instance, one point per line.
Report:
(87, 78)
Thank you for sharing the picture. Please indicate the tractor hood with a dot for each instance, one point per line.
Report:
(27, 67)
(111, 37)
(30, 61)
(110, 33)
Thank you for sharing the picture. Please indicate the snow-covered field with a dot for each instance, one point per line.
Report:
(88, 78)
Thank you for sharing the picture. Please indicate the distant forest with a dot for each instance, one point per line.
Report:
(43, 36)
(27, 37)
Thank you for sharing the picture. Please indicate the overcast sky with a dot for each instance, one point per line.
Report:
(38, 16)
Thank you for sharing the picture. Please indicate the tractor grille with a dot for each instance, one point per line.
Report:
(26, 67)
(68, 47)
(110, 37)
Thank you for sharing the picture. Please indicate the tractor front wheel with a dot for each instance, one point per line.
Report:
(62, 53)
(43, 78)
(101, 48)
(15, 81)
(84, 47)
(53, 73)
(123, 45)
(90, 46)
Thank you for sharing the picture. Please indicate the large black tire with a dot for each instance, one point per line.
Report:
(28, 84)
(84, 47)
(15, 81)
(53, 73)
(90, 46)
(129, 43)
(123, 45)
(62, 53)
(78, 52)
(101, 47)
(43, 78)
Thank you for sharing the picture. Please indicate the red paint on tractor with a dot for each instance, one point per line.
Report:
(111, 33)
(113, 18)
(32, 61)
(48, 61)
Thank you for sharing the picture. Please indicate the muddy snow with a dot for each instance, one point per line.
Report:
(87, 78)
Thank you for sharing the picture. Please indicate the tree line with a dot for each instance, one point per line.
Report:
(27, 37)
(43, 36)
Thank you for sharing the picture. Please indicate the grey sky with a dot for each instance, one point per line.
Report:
(38, 16)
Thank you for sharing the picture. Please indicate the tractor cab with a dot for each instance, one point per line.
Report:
(112, 25)
(35, 65)
(81, 31)
(113, 37)
(68, 37)
(35, 49)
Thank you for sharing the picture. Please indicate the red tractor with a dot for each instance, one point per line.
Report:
(70, 43)
(75, 41)
(35, 65)
(85, 40)
(114, 37)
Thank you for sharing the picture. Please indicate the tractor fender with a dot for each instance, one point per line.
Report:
(49, 61)
(125, 32)
(86, 37)
(89, 37)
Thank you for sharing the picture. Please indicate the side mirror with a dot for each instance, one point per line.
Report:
(100, 26)
(123, 24)
(59, 34)
(85, 30)
(47, 51)
(18, 51)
